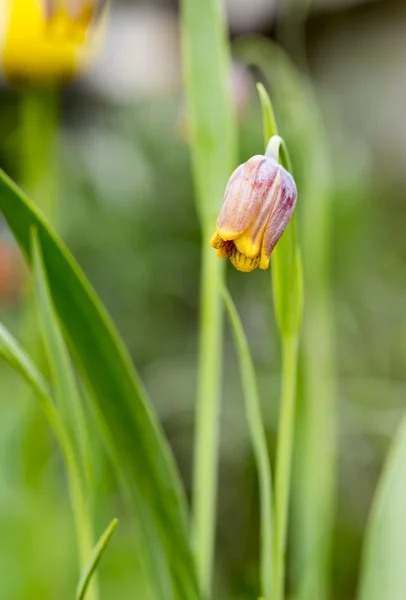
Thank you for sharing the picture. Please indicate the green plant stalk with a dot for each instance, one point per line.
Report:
(288, 297)
(39, 119)
(207, 417)
(213, 142)
(38, 112)
(315, 467)
(258, 439)
(315, 462)
(284, 456)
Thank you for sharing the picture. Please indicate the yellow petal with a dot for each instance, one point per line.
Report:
(216, 241)
(248, 245)
(39, 47)
(225, 250)
(264, 260)
(243, 263)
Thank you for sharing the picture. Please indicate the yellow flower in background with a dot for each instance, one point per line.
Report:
(258, 204)
(46, 39)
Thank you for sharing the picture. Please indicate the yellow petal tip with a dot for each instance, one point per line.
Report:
(216, 241)
(243, 263)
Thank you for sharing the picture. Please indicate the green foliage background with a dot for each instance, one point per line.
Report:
(131, 223)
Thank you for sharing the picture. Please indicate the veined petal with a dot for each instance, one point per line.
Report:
(243, 263)
(251, 241)
(226, 251)
(246, 190)
(216, 241)
(280, 216)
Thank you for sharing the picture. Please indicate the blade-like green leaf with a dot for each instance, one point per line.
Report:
(286, 261)
(132, 433)
(11, 351)
(210, 109)
(258, 440)
(213, 143)
(63, 379)
(315, 439)
(69, 403)
(288, 297)
(383, 573)
(94, 560)
(14, 355)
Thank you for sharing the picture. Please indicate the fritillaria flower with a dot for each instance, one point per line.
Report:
(47, 39)
(258, 203)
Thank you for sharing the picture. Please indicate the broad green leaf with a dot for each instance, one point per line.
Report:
(94, 560)
(134, 438)
(258, 440)
(383, 573)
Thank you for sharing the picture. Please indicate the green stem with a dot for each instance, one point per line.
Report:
(258, 439)
(284, 456)
(39, 117)
(38, 128)
(36, 135)
(207, 415)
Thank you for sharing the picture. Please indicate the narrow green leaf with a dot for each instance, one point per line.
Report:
(288, 295)
(315, 440)
(212, 134)
(137, 445)
(258, 440)
(383, 573)
(210, 108)
(12, 352)
(15, 356)
(94, 560)
(286, 262)
(270, 127)
(63, 378)
(69, 404)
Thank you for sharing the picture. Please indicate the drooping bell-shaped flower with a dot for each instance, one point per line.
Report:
(46, 40)
(258, 203)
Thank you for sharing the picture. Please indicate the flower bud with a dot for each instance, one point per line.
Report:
(258, 203)
(47, 39)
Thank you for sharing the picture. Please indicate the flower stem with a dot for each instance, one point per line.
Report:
(259, 444)
(207, 415)
(284, 456)
(39, 117)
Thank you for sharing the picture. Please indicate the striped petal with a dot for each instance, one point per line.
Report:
(247, 189)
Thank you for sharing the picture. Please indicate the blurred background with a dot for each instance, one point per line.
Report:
(126, 210)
